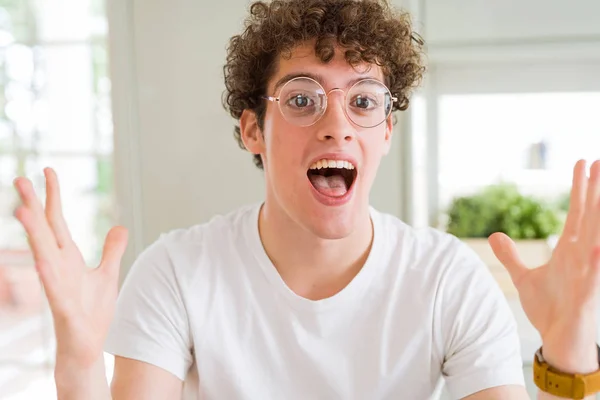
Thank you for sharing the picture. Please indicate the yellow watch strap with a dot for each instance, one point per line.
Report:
(557, 383)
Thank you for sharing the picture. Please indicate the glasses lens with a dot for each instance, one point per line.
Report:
(302, 101)
(369, 103)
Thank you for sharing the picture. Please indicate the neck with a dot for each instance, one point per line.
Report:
(313, 267)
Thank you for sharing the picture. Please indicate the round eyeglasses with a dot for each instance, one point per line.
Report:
(303, 101)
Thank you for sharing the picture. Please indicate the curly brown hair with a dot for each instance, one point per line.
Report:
(368, 30)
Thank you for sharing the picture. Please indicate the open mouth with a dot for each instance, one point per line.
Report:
(332, 178)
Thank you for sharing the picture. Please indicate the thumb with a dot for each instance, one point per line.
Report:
(114, 248)
(506, 252)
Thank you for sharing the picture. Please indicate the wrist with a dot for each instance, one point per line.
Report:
(571, 362)
(570, 346)
(76, 350)
(74, 382)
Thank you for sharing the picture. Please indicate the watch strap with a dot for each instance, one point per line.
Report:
(561, 384)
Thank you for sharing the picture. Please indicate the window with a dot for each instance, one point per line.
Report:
(524, 122)
(54, 111)
(530, 139)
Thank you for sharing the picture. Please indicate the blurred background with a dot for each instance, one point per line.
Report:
(123, 99)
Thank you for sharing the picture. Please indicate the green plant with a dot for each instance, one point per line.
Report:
(502, 208)
(563, 201)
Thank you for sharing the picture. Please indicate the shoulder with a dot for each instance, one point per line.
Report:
(440, 264)
(474, 332)
(425, 247)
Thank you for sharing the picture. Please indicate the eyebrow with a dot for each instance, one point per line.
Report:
(319, 78)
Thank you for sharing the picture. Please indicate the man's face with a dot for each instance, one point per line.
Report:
(326, 201)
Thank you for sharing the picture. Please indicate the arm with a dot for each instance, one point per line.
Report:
(501, 393)
(73, 382)
(132, 380)
(136, 380)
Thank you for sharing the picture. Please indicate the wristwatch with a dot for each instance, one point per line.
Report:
(561, 384)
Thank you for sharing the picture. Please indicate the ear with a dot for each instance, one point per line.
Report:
(389, 130)
(250, 132)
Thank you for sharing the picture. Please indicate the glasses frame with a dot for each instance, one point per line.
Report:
(278, 100)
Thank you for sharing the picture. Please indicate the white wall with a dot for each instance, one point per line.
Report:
(174, 141)
(468, 21)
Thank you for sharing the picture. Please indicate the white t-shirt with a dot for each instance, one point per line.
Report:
(207, 305)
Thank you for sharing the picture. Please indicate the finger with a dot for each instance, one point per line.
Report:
(54, 213)
(506, 252)
(576, 203)
(32, 217)
(28, 196)
(43, 252)
(114, 248)
(590, 230)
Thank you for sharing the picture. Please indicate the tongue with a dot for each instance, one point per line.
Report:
(333, 186)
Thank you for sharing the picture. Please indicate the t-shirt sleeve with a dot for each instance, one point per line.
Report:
(480, 339)
(150, 322)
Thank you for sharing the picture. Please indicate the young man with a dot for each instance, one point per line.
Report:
(313, 294)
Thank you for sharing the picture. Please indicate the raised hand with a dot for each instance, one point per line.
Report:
(81, 299)
(560, 297)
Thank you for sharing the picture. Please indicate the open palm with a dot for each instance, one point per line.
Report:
(569, 283)
(81, 299)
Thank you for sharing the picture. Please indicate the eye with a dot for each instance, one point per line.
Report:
(364, 102)
(300, 101)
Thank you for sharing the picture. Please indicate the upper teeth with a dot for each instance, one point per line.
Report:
(332, 164)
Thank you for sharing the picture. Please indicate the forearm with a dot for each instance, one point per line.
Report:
(75, 383)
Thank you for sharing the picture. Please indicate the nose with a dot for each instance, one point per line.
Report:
(334, 124)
